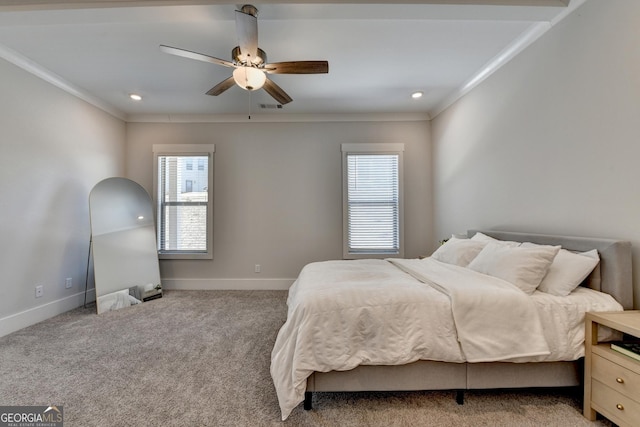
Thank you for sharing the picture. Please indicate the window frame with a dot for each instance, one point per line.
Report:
(207, 150)
(372, 149)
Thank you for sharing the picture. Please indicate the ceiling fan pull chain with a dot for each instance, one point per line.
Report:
(249, 105)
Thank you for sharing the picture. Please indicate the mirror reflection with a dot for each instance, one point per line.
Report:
(125, 258)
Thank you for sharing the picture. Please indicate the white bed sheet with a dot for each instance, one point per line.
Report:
(563, 321)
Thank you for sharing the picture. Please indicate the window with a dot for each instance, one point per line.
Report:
(184, 206)
(372, 200)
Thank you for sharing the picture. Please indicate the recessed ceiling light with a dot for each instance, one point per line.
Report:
(135, 97)
(416, 95)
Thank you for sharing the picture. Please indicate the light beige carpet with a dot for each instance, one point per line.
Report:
(201, 358)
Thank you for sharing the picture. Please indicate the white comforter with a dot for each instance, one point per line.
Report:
(342, 314)
(490, 314)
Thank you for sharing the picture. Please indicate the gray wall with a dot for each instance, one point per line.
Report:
(278, 194)
(54, 148)
(549, 143)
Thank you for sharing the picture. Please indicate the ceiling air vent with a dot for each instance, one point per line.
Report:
(271, 106)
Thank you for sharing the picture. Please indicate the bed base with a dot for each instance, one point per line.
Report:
(308, 399)
(430, 375)
(613, 276)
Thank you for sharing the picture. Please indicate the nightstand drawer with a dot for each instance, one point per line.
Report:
(616, 377)
(613, 405)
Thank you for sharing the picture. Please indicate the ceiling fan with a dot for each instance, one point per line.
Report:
(250, 62)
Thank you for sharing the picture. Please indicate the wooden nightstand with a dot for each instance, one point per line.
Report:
(611, 379)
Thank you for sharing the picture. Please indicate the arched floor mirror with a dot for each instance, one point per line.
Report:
(123, 241)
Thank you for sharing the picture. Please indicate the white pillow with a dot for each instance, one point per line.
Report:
(567, 271)
(481, 237)
(524, 267)
(458, 251)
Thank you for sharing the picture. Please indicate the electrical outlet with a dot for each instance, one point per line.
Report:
(257, 269)
(39, 291)
(68, 283)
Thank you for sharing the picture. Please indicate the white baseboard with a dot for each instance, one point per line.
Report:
(227, 284)
(46, 311)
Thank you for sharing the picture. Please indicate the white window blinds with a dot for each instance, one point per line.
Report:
(373, 208)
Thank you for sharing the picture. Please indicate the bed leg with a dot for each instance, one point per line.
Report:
(460, 397)
(307, 401)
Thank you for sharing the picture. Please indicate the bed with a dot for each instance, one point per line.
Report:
(318, 349)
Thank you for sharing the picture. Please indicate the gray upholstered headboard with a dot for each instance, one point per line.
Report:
(612, 276)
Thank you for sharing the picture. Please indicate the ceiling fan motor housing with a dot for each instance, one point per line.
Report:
(257, 61)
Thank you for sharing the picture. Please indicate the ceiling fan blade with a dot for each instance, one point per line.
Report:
(221, 87)
(297, 67)
(194, 55)
(276, 92)
(247, 31)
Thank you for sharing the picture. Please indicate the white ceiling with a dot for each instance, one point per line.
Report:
(378, 53)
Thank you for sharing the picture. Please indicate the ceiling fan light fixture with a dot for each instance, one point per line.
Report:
(249, 78)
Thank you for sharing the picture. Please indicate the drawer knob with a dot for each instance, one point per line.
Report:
(620, 380)
(619, 406)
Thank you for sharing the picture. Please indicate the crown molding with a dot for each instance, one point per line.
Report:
(279, 118)
(10, 5)
(32, 67)
(533, 33)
